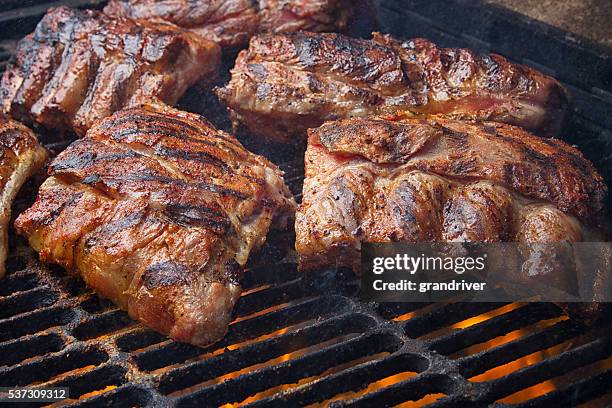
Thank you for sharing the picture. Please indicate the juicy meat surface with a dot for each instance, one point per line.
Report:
(158, 211)
(20, 157)
(79, 66)
(231, 23)
(438, 180)
(284, 84)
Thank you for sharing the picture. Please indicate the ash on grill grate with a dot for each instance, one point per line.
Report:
(297, 340)
(289, 345)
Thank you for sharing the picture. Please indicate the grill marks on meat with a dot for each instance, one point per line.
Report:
(79, 66)
(438, 180)
(20, 157)
(232, 23)
(284, 84)
(159, 211)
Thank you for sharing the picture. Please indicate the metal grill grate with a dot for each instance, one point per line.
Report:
(306, 340)
(290, 344)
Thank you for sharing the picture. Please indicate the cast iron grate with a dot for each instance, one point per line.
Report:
(292, 345)
(304, 340)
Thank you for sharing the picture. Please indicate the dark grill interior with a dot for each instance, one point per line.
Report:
(307, 340)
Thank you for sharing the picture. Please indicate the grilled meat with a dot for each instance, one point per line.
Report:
(20, 157)
(284, 84)
(232, 23)
(79, 66)
(158, 211)
(438, 180)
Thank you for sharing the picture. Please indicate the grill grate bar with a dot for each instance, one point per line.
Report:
(494, 327)
(15, 351)
(555, 366)
(101, 324)
(580, 392)
(139, 338)
(410, 390)
(487, 359)
(34, 322)
(357, 377)
(18, 282)
(94, 379)
(270, 275)
(42, 369)
(446, 316)
(125, 396)
(235, 360)
(26, 301)
(395, 310)
(291, 371)
(267, 298)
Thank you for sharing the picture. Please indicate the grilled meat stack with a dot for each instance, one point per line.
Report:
(231, 23)
(20, 157)
(80, 65)
(439, 180)
(158, 211)
(284, 84)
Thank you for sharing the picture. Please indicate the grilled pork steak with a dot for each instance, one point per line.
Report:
(158, 211)
(231, 23)
(284, 84)
(20, 157)
(438, 180)
(80, 65)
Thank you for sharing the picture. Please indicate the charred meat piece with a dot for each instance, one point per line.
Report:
(158, 211)
(20, 157)
(284, 84)
(79, 66)
(439, 180)
(232, 23)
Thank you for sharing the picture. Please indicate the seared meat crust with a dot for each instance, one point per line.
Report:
(20, 157)
(158, 211)
(231, 23)
(284, 84)
(79, 66)
(438, 180)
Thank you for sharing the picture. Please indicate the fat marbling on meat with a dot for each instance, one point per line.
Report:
(20, 157)
(159, 211)
(284, 84)
(439, 180)
(79, 66)
(231, 23)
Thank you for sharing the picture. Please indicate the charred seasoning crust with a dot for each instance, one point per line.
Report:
(417, 180)
(231, 23)
(546, 169)
(284, 84)
(81, 65)
(159, 211)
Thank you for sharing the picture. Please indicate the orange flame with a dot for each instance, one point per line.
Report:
(500, 371)
(492, 374)
(98, 392)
